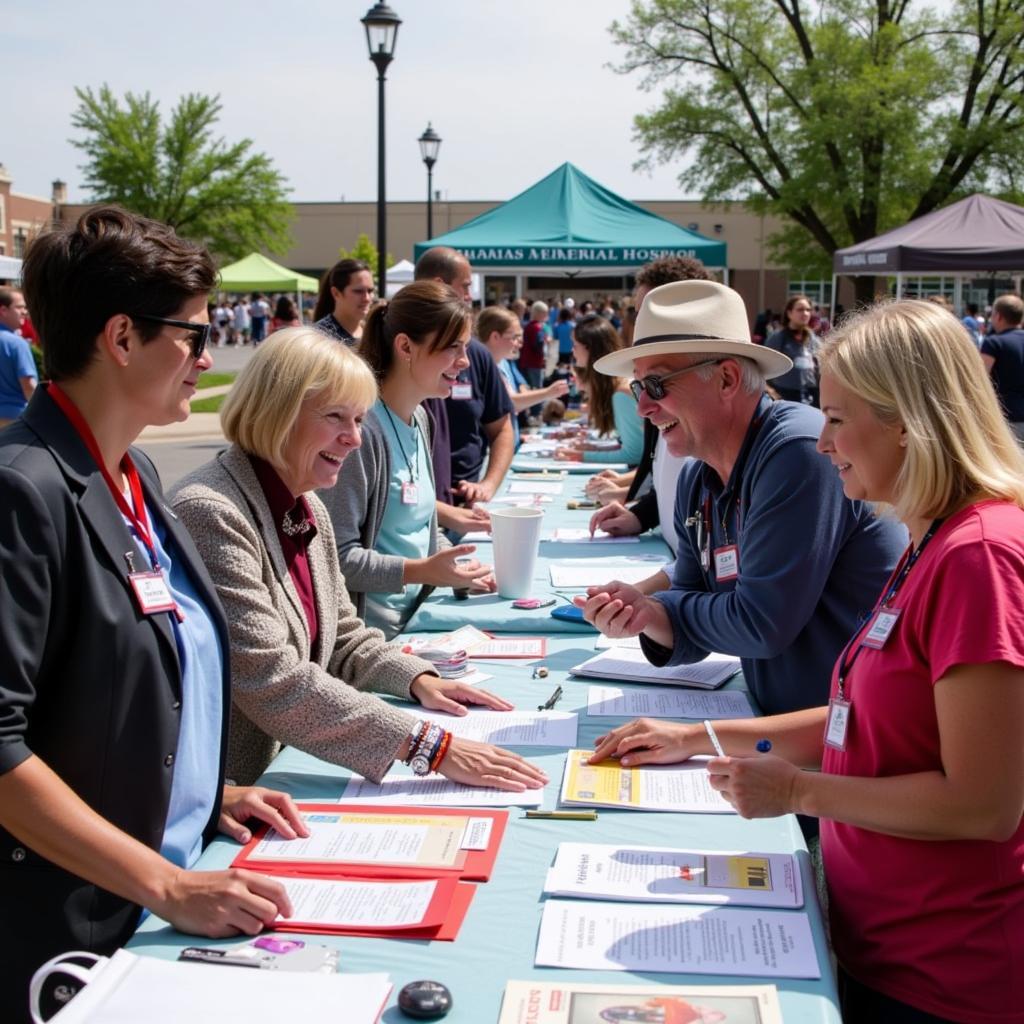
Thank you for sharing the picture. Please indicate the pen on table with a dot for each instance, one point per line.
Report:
(564, 815)
(551, 701)
(577, 503)
(710, 730)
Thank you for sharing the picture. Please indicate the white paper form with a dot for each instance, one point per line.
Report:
(510, 728)
(514, 501)
(606, 643)
(665, 702)
(536, 487)
(581, 535)
(434, 791)
(538, 447)
(656, 938)
(529, 464)
(661, 874)
(595, 572)
(358, 904)
(633, 666)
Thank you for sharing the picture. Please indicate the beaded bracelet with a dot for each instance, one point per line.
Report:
(446, 742)
(415, 740)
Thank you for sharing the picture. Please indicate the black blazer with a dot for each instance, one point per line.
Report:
(87, 682)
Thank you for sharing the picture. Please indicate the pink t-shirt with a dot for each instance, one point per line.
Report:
(937, 925)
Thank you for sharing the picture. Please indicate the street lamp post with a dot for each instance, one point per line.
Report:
(381, 24)
(430, 146)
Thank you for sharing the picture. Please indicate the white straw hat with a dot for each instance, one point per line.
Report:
(700, 318)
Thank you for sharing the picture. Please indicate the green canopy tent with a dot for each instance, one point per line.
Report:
(567, 225)
(256, 273)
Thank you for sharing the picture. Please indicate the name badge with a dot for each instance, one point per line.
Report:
(881, 626)
(410, 493)
(839, 712)
(462, 391)
(152, 592)
(727, 563)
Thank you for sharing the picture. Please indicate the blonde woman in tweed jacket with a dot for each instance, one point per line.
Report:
(301, 659)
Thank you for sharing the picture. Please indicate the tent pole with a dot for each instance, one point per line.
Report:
(832, 303)
(958, 294)
(725, 276)
(899, 285)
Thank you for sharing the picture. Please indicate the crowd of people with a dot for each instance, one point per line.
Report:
(864, 560)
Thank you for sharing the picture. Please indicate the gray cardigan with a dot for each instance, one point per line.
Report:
(356, 505)
(279, 694)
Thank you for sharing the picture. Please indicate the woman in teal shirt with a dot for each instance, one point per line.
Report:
(611, 407)
(383, 506)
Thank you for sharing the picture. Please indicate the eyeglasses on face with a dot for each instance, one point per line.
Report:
(199, 334)
(654, 386)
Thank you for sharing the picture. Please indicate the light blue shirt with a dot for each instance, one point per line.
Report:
(15, 362)
(629, 425)
(405, 529)
(197, 762)
(513, 376)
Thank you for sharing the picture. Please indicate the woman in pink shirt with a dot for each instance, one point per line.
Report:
(921, 787)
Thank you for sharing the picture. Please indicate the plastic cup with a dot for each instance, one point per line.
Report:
(516, 535)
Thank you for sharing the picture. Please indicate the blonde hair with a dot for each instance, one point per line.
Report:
(915, 365)
(291, 366)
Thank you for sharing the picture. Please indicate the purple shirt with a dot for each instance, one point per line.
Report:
(283, 503)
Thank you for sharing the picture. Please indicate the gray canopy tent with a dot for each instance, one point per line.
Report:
(976, 234)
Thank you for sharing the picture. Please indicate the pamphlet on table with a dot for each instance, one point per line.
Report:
(510, 728)
(656, 787)
(676, 939)
(664, 874)
(582, 535)
(434, 791)
(632, 666)
(665, 702)
(551, 1002)
(581, 573)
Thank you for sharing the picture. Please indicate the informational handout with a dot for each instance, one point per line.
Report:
(657, 787)
(560, 1002)
(528, 464)
(510, 728)
(596, 572)
(534, 486)
(633, 666)
(665, 702)
(674, 938)
(662, 874)
(400, 839)
(434, 791)
(352, 904)
(581, 535)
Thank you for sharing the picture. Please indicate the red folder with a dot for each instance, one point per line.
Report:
(471, 865)
(441, 922)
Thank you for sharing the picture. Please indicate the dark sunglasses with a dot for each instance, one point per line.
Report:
(199, 334)
(655, 386)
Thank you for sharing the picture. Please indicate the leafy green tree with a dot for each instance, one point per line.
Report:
(180, 172)
(366, 251)
(843, 117)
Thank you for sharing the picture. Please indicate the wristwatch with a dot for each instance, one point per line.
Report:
(420, 763)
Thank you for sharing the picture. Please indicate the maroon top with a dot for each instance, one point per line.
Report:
(284, 505)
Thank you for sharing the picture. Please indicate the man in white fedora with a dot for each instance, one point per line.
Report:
(774, 565)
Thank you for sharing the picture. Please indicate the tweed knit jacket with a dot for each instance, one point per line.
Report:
(280, 696)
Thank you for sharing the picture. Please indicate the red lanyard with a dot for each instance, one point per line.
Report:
(134, 513)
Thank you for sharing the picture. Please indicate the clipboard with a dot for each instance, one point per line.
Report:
(471, 864)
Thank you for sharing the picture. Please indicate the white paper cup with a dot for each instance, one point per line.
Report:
(516, 535)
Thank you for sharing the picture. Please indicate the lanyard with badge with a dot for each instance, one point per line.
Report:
(727, 557)
(410, 488)
(151, 590)
(881, 623)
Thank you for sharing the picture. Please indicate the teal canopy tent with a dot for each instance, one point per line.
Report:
(569, 224)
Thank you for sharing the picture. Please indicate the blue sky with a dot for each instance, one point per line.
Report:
(514, 89)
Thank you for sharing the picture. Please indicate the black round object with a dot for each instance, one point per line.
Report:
(425, 1000)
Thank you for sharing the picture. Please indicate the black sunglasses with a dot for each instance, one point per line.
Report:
(199, 334)
(655, 386)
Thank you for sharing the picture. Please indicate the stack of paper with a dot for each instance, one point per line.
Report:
(658, 874)
(675, 787)
(558, 1002)
(510, 728)
(633, 666)
(662, 702)
(478, 644)
(434, 791)
(582, 535)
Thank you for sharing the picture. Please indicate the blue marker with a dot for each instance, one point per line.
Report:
(763, 746)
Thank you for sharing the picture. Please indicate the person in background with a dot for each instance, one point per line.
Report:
(346, 293)
(918, 765)
(533, 352)
(797, 341)
(285, 314)
(243, 324)
(223, 320)
(1002, 351)
(259, 312)
(563, 335)
(384, 507)
(114, 646)
(18, 374)
(501, 332)
(610, 405)
(302, 660)
(975, 323)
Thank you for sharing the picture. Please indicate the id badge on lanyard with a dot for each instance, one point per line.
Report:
(727, 563)
(462, 391)
(152, 592)
(839, 712)
(410, 492)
